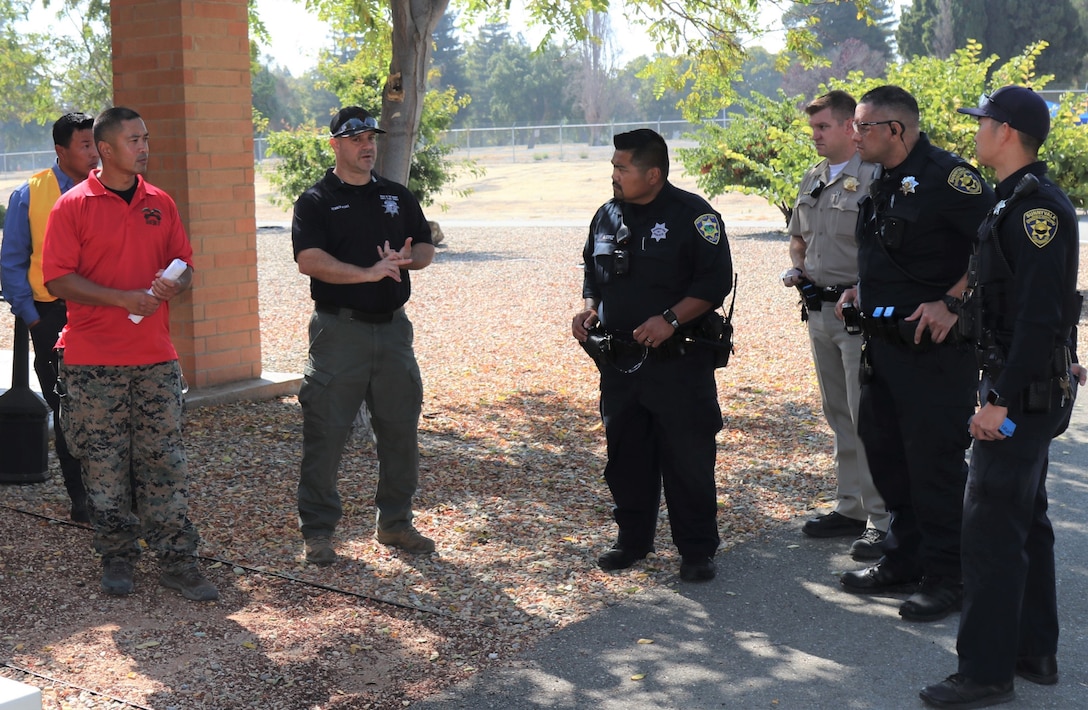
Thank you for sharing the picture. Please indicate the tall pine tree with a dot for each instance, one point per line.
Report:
(1003, 27)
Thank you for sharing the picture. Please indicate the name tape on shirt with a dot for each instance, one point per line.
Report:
(709, 227)
(963, 180)
(1041, 226)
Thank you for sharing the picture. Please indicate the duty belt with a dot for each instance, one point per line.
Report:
(888, 324)
(831, 294)
(353, 314)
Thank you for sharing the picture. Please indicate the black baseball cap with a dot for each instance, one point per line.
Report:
(351, 121)
(1018, 106)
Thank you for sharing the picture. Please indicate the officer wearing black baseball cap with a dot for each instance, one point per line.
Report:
(1025, 305)
(351, 121)
(1018, 106)
(357, 235)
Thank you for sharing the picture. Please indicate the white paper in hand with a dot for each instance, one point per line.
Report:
(173, 272)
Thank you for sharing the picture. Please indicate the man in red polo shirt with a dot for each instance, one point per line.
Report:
(121, 406)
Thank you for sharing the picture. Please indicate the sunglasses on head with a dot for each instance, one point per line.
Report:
(356, 125)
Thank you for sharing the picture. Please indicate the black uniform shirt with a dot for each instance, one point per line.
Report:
(676, 247)
(350, 222)
(917, 231)
(1029, 277)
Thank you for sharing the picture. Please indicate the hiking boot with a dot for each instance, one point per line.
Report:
(117, 576)
(833, 525)
(407, 539)
(870, 546)
(319, 551)
(620, 558)
(79, 512)
(697, 569)
(191, 582)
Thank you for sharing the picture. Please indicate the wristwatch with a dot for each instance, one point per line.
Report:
(671, 318)
(992, 397)
(952, 303)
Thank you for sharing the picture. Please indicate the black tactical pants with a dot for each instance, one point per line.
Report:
(1010, 605)
(660, 424)
(913, 421)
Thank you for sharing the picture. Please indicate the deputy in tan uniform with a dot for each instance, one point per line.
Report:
(824, 254)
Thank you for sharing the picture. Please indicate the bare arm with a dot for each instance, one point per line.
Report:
(793, 275)
(73, 287)
(585, 319)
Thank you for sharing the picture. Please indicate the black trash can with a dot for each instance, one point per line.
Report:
(24, 421)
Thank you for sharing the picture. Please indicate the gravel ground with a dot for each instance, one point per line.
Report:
(511, 489)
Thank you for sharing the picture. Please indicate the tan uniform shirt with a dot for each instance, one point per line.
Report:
(827, 222)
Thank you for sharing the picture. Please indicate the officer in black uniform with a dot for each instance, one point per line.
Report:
(1022, 312)
(357, 235)
(657, 262)
(919, 381)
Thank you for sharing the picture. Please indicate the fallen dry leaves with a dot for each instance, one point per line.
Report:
(510, 488)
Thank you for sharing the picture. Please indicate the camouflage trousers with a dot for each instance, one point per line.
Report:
(124, 425)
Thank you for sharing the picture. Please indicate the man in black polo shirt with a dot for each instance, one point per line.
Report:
(356, 235)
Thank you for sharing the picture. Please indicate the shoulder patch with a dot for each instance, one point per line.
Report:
(1041, 226)
(963, 180)
(709, 227)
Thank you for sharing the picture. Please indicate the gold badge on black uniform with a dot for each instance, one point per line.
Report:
(1041, 226)
(709, 228)
(963, 180)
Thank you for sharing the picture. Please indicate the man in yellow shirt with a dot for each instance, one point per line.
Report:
(21, 270)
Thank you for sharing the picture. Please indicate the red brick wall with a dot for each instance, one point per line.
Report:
(184, 66)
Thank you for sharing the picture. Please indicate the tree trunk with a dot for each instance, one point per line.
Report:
(414, 22)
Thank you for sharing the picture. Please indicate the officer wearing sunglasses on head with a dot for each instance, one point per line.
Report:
(357, 235)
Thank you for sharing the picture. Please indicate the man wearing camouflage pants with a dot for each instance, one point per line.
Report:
(119, 380)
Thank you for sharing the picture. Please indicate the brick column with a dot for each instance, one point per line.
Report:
(184, 66)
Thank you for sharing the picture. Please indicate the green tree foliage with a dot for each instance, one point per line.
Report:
(448, 60)
(354, 76)
(490, 40)
(529, 87)
(832, 23)
(44, 74)
(84, 58)
(1003, 27)
(766, 151)
(848, 42)
(760, 75)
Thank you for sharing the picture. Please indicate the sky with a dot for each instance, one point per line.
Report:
(297, 36)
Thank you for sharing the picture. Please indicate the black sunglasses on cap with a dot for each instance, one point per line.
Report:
(355, 126)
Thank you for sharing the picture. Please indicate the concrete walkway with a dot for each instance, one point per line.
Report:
(774, 630)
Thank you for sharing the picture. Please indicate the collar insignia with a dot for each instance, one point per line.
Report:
(1041, 226)
(998, 207)
(963, 180)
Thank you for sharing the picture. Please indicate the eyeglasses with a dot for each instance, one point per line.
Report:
(862, 127)
(356, 125)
